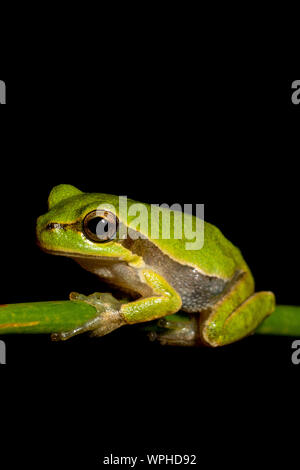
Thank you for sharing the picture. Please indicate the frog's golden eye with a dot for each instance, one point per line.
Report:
(100, 226)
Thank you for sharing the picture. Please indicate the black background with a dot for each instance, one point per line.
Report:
(156, 134)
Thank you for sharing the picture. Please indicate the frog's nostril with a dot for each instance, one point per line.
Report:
(52, 226)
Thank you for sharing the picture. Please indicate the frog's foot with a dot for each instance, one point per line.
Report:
(108, 316)
(220, 330)
(178, 333)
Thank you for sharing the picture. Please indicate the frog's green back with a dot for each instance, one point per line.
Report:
(217, 257)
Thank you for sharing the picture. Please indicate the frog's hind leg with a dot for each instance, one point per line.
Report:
(237, 313)
(225, 329)
(176, 331)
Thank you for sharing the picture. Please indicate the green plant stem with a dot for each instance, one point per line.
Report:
(284, 321)
(44, 317)
(57, 316)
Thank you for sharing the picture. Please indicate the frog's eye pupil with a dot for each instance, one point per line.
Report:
(100, 226)
(97, 224)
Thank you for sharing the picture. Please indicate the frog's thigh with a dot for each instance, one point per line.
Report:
(165, 301)
(240, 322)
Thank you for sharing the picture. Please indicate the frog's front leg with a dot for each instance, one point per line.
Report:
(113, 314)
(238, 313)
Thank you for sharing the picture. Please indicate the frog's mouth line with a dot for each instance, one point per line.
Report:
(70, 254)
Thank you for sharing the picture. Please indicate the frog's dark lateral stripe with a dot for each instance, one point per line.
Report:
(58, 225)
(197, 290)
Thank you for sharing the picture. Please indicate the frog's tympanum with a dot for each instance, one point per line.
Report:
(212, 287)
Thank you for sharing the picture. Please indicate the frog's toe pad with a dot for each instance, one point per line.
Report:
(76, 296)
(62, 336)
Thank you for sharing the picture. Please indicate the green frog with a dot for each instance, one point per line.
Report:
(199, 296)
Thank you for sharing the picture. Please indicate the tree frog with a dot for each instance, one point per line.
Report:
(196, 297)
